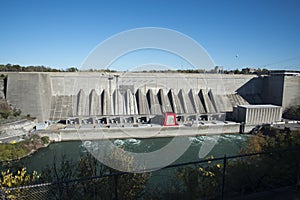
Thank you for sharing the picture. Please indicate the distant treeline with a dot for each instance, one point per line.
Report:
(213, 71)
(18, 68)
(248, 71)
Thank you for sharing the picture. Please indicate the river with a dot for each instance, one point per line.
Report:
(225, 144)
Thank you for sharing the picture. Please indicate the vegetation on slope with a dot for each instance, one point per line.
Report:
(292, 112)
(20, 149)
(6, 111)
(246, 174)
(129, 186)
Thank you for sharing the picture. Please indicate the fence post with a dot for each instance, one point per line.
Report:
(223, 176)
(116, 186)
(298, 178)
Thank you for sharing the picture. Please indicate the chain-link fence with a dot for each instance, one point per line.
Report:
(214, 178)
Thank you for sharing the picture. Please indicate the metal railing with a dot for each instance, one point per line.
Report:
(75, 188)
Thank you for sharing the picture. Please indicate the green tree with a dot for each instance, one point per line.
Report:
(247, 174)
(200, 181)
(292, 112)
(129, 186)
(72, 69)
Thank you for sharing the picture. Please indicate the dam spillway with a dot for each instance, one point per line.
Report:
(58, 96)
(101, 103)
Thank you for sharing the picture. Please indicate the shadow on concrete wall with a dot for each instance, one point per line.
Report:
(5, 87)
(252, 91)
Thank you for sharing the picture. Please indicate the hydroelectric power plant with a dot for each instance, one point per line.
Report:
(98, 100)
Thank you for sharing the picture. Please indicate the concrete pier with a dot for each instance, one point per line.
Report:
(155, 107)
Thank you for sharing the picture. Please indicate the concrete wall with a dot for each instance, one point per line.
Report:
(30, 92)
(112, 133)
(2, 88)
(40, 94)
(71, 83)
(291, 91)
(278, 90)
(272, 90)
(33, 92)
(281, 90)
(25, 125)
(253, 90)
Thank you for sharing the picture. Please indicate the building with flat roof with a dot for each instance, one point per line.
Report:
(257, 114)
(285, 73)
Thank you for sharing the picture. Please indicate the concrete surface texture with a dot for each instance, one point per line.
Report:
(2, 88)
(31, 93)
(257, 114)
(291, 91)
(62, 95)
(89, 133)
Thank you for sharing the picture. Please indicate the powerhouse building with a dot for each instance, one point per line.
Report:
(257, 114)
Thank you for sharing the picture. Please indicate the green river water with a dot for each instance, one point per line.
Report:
(225, 144)
(163, 178)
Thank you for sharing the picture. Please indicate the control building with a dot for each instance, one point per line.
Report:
(257, 114)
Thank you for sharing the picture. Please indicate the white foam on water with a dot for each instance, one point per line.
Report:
(82, 148)
(201, 138)
(133, 141)
(234, 137)
(119, 142)
(87, 144)
(195, 141)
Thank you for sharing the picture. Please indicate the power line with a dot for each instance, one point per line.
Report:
(283, 61)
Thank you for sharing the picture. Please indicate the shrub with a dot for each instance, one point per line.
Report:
(45, 140)
(292, 112)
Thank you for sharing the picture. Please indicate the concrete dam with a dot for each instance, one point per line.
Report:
(60, 96)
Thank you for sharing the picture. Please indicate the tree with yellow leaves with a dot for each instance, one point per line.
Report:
(200, 181)
(11, 182)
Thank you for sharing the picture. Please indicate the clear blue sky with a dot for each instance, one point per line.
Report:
(61, 34)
